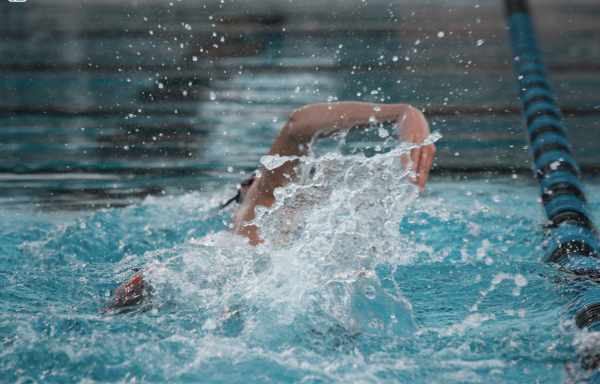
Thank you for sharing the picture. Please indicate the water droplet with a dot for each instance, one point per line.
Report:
(372, 119)
(329, 106)
(151, 32)
(212, 96)
(297, 89)
(456, 153)
(358, 94)
(479, 42)
(395, 58)
(229, 169)
(417, 42)
(161, 85)
(274, 119)
(369, 291)
(440, 34)
(377, 108)
(184, 93)
(383, 133)
(107, 293)
(188, 27)
(195, 58)
(340, 46)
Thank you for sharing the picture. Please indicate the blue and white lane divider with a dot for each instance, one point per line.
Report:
(573, 244)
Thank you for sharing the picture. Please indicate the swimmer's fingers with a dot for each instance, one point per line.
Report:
(426, 155)
(415, 155)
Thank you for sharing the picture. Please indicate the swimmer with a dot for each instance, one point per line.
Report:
(302, 127)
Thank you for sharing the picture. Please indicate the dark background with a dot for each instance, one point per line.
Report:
(103, 103)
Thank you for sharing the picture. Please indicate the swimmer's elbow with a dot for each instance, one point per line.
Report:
(410, 110)
(295, 127)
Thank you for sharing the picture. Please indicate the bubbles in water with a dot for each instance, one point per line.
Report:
(372, 119)
(151, 32)
(229, 169)
(107, 293)
(479, 42)
(195, 58)
(377, 108)
(440, 34)
(275, 119)
(369, 292)
(383, 133)
(161, 85)
(395, 58)
(212, 96)
(329, 106)
(188, 27)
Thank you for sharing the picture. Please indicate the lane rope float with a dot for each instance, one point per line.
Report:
(572, 244)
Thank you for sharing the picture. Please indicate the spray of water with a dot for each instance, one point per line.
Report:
(315, 272)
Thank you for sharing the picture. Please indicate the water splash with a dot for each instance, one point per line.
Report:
(315, 272)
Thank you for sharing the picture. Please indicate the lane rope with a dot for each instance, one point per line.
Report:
(573, 244)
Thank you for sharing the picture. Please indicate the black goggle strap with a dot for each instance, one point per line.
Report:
(239, 196)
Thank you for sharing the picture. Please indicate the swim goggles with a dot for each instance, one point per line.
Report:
(243, 189)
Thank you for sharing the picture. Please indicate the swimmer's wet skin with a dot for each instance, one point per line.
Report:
(304, 124)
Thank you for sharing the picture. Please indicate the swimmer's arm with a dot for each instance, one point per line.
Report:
(309, 121)
(319, 119)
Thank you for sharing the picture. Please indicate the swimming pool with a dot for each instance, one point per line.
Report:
(372, 284)
(459, 295)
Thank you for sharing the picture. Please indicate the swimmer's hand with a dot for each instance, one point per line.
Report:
(413, 127)
(131, 293)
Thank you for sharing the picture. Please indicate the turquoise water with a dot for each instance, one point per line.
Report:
(370, 283)
(367, 283)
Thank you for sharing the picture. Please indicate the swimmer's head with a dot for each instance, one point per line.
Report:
(243, 189)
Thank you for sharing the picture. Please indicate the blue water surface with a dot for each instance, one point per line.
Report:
(472, 300)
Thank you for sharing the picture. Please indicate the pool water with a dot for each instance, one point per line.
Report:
(123, 130)
(367, 282)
